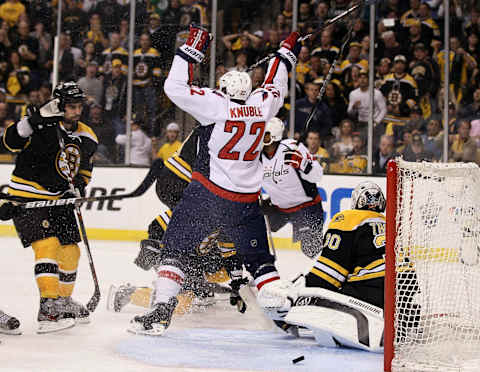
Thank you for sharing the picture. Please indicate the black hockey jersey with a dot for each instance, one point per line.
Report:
(108, 55)
(146, 67)
(42, 168)
(353, 256)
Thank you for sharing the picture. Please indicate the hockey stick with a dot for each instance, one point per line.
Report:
(318, 30)
(92, 304)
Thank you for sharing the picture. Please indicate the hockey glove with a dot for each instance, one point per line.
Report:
(8, 210)
(47, 115)
(235, 298)
(289, 50)
(196, 45)
(295, 158)
(149, 255)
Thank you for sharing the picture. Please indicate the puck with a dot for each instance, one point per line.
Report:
(299, 359)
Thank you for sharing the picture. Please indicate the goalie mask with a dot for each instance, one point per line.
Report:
(236, 85)
(368, 196)
(275, 128)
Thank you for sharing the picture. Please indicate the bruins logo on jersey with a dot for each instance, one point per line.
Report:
(68, 161)
(207, 244)
(141, 69)
(395, 97)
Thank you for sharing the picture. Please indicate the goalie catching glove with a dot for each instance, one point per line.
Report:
(289, 50)
(196, 45)
(295, 158)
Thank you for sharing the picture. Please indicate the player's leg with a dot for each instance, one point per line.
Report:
(9, 324)
(338, 320)
(308, 229)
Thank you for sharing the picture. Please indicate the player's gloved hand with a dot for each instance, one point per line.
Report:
(289, 50)
(296, 159)
(149, 255)
(47, 115)
(8, 210)
(276, 298)
(235, 298)
(80, 185)
(196, 45)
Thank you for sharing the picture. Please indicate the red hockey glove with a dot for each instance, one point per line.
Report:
(297, 161)
(289, 50)
(196, 45)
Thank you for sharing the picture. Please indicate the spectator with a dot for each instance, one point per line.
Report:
(74, 21)
(163, 38)
(281, 26)
(473, 45)
(88, 55)
(356, 162)
(140, 145)
(365, 50)
(427, 20)
(344, 144)
(384, 153)
(219, 71)
(41, 11)
(258, 76)
(313, 143)
(463, 148)
(243, 42)
(383, 71)
(10, 11)
(240, 62)
(412, 14)
(193, 11)
(44, 48)
(392, 47)
(91, 85)
(335, 102)
(359, 104)
(147, 73)
(353, 60)
(432, 139)
(27, 46)
(472, 111)
(105, 134)
(404, 142)
(416, 152)
(114, 97)
(18, 83)
(415, 36)
(95, 33)
(400, 89)
(303, 65)
(66, 62)
(110, 13)
(114, 52)
(321, 121)
(326, 49)
(172, 144)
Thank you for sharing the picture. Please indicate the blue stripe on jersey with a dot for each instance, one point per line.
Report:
(202, 162)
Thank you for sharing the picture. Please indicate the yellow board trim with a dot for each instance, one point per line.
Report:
(333, 265)
(326, 277)
(380, 274)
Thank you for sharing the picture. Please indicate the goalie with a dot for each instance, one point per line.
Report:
(342, 299)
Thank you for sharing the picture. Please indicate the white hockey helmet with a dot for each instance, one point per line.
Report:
(237, 85)
(275, 128)
(368, 195)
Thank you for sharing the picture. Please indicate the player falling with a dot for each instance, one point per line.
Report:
(227, 173)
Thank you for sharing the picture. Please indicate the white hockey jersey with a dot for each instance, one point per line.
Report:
(290, 189)
(231, 136)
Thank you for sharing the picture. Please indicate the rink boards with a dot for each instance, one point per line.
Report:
(128, 219)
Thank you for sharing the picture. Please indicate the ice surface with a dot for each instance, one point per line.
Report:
(219, 339)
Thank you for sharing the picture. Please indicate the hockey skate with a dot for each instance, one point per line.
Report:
(52, 317)
(9, 324)
(82, 315)
(155, 322)
(119, 297)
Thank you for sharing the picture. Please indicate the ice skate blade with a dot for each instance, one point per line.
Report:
(14, 332)
(60, 325)
(85, 320)
(111, 298)
(138, 329)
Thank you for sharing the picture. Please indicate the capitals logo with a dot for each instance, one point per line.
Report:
(275, 174)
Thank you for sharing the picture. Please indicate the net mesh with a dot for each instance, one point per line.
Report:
(437, 254)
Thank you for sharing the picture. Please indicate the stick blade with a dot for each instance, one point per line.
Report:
(93, 303)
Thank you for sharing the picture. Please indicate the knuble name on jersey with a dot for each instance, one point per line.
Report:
(245, 111)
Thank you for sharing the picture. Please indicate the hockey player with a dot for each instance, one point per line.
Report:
(42, 170)
(215, 260)
(227, 174)
(289, 178)
(342, 300)
(9, 325)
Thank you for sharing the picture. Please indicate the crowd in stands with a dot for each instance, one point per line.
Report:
(408, 69)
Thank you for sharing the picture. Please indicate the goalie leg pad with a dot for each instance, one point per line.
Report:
(338, 320)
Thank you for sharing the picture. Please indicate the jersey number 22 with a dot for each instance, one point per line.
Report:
(227, 152)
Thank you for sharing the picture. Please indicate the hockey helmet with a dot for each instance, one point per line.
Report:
(275, 128)
(68, 92)
(236, 85)
(368, 196)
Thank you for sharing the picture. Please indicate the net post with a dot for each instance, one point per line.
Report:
(391, 232)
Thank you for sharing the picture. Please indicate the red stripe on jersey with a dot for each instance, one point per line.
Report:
(171, 275)
(273, 71)
(317, 200)
(261, 284)
(226, 194)
(190, 73)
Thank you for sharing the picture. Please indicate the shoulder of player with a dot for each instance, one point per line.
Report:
(289, 144)
(84, 130)
(351, 219)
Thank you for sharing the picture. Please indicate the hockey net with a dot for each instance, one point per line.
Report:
(432, 283)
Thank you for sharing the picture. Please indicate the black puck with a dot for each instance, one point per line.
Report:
(299, 359)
